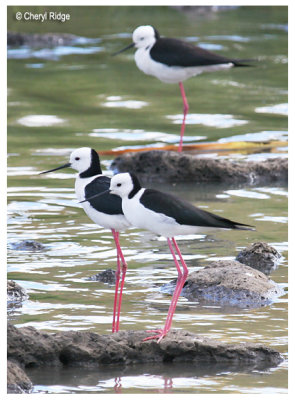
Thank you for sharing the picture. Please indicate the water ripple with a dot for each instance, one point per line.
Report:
(214, 120)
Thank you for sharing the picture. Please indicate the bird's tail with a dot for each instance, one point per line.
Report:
(244, 62)
(244, 227)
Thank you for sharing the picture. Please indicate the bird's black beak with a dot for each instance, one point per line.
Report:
(55, 169)
(125, 48)
(96, 195)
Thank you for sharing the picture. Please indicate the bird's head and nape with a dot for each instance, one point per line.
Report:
(84, 160)
(143, 36)
(125, 185)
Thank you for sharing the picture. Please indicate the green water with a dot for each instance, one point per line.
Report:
(104, 102)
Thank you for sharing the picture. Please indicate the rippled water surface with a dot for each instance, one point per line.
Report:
(66, 97)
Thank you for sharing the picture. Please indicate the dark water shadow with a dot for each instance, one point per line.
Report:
(109, 378)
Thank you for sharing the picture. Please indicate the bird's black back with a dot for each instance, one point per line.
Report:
(175, 52)
(106, 203)
(185, 213)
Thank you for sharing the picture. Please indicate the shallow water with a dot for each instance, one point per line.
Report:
(72, 96)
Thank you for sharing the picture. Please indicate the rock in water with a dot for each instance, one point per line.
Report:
(260, 256)
(15, 293)
(169, 166)
(28, 245)
(107, 276)
(229, 283)
(17, 379)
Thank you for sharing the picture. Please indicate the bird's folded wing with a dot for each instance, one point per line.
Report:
(107, 203)
(174, 52)
(185, 213)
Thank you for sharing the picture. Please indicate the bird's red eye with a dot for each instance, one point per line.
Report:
(77, 158)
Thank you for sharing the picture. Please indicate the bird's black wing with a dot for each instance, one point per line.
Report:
(185, 213)
(106, 203)
(175, 52)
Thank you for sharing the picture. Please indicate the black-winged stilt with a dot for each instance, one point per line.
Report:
(105, 211)
(165, 215)
(174, 61)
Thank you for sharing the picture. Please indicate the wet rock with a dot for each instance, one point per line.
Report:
(15, 293)
(32, 348)
(260, 256)
(39, 40)
(166, 166)
(29, 245)
(229, 283)
(107, 276)
(17, 379)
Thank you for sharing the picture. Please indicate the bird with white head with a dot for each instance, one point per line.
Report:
(105, 211)
(174, 61)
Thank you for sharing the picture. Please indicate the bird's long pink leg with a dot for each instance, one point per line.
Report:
(185, 110)
(184, 266)
(179, 285)
(124, 269)
(118, 275)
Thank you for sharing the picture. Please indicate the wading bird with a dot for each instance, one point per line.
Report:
(173, 61)
(105, 211)
(168, 216)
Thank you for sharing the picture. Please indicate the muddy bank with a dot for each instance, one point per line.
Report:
(30, 348)
(124, 353)
(164, 166)
(228, 283)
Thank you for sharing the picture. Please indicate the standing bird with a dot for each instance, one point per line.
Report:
(165, 215)
(105, 211)
(174, 61)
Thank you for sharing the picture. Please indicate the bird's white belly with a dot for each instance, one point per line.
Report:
(171, 74)
(117, 222)
(144, 218)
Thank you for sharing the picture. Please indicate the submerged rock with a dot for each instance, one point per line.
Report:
(260, 256)
(168, 166)
(32, 348)
(229, 283)
(107, 276)
(39, 39)
(17, 380)
(15, 293)
(28, 245)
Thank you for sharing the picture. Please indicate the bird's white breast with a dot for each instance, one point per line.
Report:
(117, 222)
